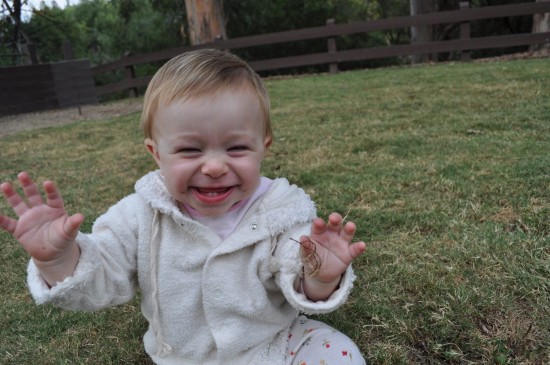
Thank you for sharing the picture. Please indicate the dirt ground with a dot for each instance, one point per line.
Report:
(16, 123)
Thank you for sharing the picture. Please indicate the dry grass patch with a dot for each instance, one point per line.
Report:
(444, 168)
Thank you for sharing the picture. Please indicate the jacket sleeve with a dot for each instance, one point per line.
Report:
(106, 272)
(290, 269)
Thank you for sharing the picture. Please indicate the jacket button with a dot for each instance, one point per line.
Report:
(254, 226)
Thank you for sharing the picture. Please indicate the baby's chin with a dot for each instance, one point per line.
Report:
(210, 212)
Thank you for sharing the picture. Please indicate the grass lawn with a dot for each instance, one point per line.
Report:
(444, 168)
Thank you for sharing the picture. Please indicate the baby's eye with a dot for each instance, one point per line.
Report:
(189, 150)
(238, 148)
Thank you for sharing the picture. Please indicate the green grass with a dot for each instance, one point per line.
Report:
(445, 169)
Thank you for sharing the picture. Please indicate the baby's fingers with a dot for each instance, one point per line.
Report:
(318, 226)
(72, 225)
(53, 195)
(7, 224)
(357, 249)
(14, 200)
(30, 189)
(348, 231)
(308, 246)
(334, 222)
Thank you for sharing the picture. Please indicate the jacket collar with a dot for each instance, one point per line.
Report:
(283, 205)
(152, 189)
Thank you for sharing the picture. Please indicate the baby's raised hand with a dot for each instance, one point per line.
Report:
(330, 246)
(44, 229)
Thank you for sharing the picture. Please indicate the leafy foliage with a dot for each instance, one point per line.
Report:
(103, 30)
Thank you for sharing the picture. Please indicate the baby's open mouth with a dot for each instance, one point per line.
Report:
(213, 195)
(212, 191)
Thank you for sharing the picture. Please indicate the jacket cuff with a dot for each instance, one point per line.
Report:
(40, 290)
(302, 303)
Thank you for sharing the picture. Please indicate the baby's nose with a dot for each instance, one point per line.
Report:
(214, 166)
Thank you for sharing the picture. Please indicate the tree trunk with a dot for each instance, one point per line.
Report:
(421, 34)
(541, 24)
(206, 20)
(14, 11)
(17, 24)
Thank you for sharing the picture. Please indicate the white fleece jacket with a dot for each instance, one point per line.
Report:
(207, 300)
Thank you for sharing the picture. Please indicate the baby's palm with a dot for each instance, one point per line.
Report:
(40, 231)
(44, 229)
(330, 245)
(332, 254)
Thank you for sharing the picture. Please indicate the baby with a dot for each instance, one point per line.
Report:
(225, 259)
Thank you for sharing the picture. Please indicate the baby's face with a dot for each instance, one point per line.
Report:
(210, 149)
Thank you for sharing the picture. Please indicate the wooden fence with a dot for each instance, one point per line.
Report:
(333, 57)
(31, 88)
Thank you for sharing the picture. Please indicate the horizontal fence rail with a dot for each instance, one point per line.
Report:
(332, 57)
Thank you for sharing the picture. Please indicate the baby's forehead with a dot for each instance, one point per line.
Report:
(219, 107)
(216, 87)
(226, 115)
(207, 95)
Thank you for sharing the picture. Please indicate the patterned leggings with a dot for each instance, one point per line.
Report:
(315, 343)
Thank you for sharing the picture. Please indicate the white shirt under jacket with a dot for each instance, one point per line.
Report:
(207, 300)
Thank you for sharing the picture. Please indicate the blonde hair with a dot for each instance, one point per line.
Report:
(197, 73)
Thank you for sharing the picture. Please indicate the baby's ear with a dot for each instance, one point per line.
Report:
(152, 148)
(267, 142)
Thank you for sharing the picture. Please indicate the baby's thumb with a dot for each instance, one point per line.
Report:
(72, 225)
(357, 249)
(308, 247)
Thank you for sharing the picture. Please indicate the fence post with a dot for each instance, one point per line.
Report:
(130, 75)
(465, 32)
(68, 53)
(331, 45)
